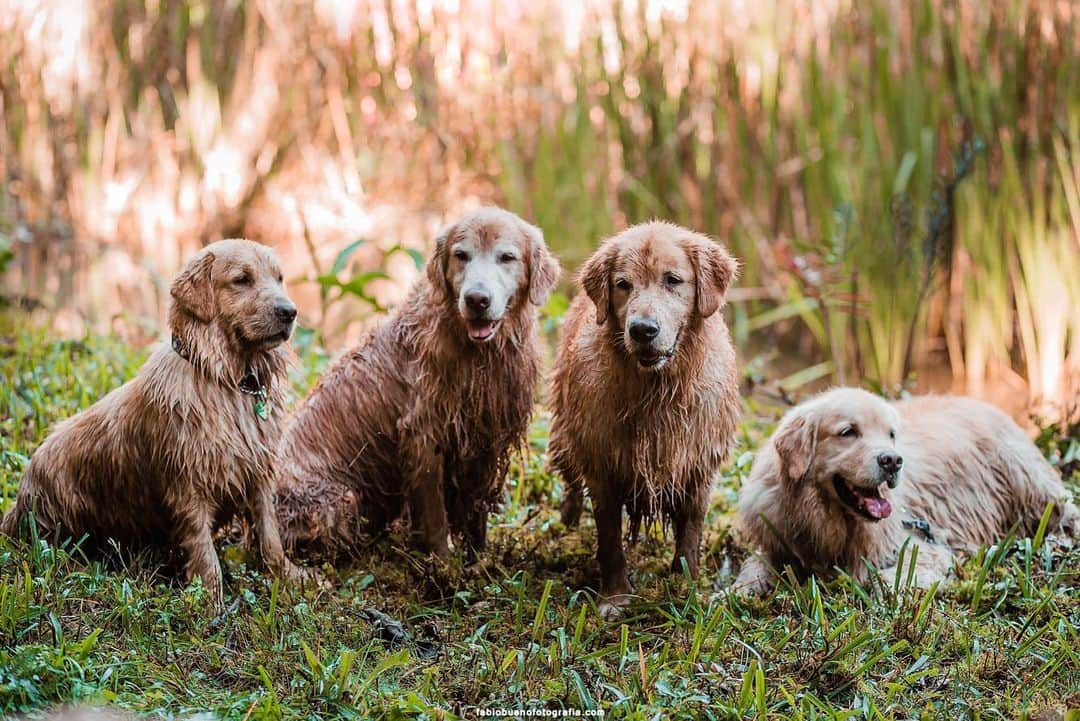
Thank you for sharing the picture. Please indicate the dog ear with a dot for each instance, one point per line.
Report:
(796, 442)
(716, 269)
(544, 268)
(436, 265)
(193, 291)
(595, 278)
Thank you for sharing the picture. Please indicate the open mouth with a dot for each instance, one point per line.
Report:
(868, 503)
(482, 329)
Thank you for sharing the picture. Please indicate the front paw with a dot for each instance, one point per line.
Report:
(611, 607)
(756, 578)
(614, 598)
(306, 577)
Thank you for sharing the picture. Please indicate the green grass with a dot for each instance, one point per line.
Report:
(518, 630)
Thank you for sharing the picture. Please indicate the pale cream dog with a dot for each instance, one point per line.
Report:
(847, 478)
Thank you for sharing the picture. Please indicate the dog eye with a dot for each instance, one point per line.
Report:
(673, 280)
(244, 279)
(622, 284)
(892, 435)
(461, 255)
(507, 258)
(848, 432)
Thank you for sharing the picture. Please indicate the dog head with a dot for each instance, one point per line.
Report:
(840, 447)
(489, 263)
(237, 285)
(653, 281)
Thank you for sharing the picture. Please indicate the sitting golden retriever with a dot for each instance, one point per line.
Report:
(176, 452)
(424, 415)
(847, 478)
(645, 393)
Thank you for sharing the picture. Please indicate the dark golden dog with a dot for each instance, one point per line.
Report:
(424, 415)
(645, 394)
(176, 452)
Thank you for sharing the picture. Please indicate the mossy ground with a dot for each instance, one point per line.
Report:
(518, 630)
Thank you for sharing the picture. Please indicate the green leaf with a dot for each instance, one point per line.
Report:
(343, 257)
(416, 255)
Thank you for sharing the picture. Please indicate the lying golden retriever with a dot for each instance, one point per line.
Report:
(176, 452)
(424, 415)
(645, 393)
(847, 478)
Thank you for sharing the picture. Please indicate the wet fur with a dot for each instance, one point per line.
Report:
(649, 441)
(177, 452)
(418, 420)
(969, 471)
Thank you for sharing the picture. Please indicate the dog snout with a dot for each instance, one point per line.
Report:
(477, 300)
(643, 330)
(285, 311)
(890, 462)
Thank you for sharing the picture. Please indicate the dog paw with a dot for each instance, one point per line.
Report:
(611, 608)
(1070, 521)
(755, 579)
(307, 577)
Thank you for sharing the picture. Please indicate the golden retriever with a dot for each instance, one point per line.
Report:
(176, 452)
(424, 415)
(847, 478)
(645, 393)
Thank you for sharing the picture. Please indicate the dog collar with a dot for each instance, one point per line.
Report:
(920, 525)
(249, 384)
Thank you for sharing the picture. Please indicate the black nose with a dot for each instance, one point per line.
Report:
(890, 462)
(477, 300)
(644, 331)
(285, 312)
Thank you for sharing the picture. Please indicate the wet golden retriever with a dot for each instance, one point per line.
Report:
(645, 393)
(176, 452)
(847, 478)
(424, 415)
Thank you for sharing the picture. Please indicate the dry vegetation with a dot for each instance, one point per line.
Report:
(827, 142)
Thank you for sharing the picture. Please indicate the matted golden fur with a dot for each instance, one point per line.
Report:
(176, 452)
(645, 393)
(424, 414)
(847, 478)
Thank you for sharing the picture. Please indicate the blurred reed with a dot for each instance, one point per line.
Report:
(900, 178)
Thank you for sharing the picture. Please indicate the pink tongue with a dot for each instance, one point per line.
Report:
(479, 332)
(876, 507)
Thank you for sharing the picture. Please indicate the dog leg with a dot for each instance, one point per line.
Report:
(481, 479)
(688, 522)
(268, 539)
(427, 506)
(476, 533)
(614, 583)
(572, 502)
(194, 526)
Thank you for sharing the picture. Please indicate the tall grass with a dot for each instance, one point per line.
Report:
(822, 141)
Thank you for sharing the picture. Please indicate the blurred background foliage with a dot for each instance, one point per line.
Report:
(900, 179)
